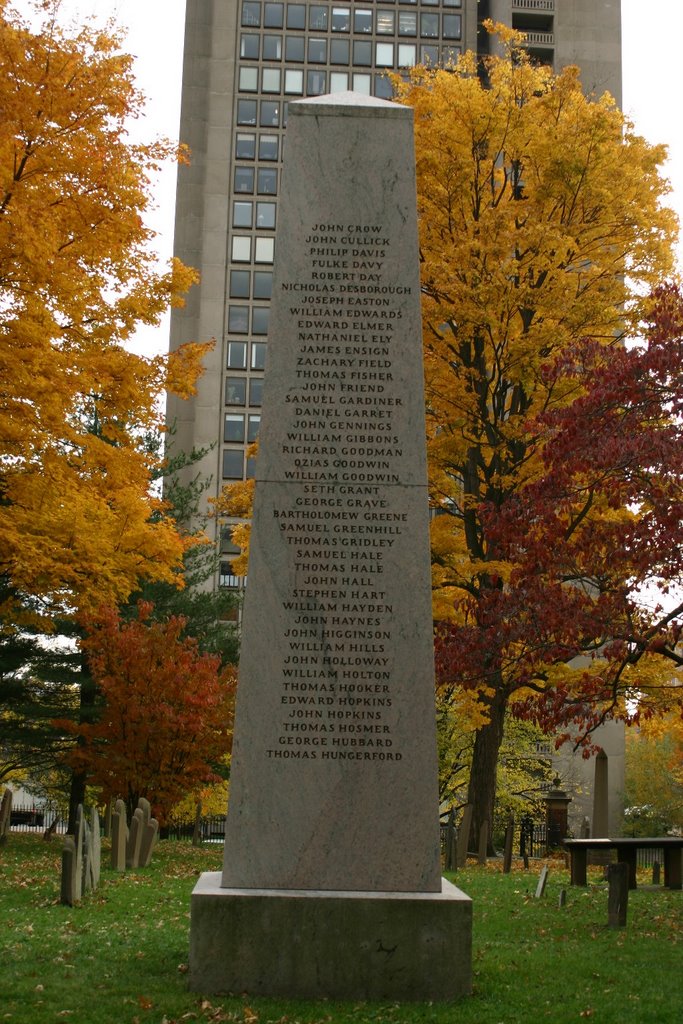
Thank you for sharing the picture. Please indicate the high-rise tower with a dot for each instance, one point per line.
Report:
(244, 61)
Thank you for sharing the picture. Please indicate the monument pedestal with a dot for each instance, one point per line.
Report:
(330, 944)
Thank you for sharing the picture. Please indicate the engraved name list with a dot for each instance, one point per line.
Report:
(340, 455)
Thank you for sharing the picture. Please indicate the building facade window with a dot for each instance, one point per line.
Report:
(234, 428)
(233, 464)
(237, 355)
(251, 13)
(236, 391)
(238, 323)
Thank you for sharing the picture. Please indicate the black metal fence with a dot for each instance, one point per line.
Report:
(530, 836)
(211, 830)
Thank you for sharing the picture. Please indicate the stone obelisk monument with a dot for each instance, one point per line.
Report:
(331, 882)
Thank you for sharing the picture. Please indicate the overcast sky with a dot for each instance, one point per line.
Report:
(652, 83)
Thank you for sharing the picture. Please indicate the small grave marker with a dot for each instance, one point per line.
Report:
(483, 842)
(617, 900)
(5, 815)
(464, 835)
(135, 838)
(543, 878)
(119, 837)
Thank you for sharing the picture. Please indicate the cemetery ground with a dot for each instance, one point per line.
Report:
(120, 957)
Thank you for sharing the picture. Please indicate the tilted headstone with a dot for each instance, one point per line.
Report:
(96, 848)
(333, 789)
(135, 838)
(150, 834)
(146, 808)
(67, 894)
(119, 836)
(5, 815)
(542, 880)
(87, 858)
(107, 820)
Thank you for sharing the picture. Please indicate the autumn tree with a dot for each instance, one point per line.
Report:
(554, 467)
(165, 714)
(77, 276)
(654, 776)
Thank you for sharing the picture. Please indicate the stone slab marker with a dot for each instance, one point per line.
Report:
(150, 834)
(332, 837)
(119, 836)
(96, 855)
(5, 815)
(135, 838)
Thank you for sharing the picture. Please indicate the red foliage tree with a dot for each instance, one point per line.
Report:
(166, 715)
(560, 632)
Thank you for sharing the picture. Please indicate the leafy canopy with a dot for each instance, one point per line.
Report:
(77, 275)
(541, 226)
(165, 717)
(543, 234)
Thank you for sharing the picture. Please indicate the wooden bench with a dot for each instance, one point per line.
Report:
(627, 851)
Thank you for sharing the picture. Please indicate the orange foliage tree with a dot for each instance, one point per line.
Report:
(78, 275)
(165, 715)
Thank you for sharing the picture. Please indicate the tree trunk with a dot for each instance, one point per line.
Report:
(481, 792)
(86, 713)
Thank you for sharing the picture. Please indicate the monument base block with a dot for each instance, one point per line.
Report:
(340, 945)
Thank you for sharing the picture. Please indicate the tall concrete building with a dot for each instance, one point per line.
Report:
(244, 61)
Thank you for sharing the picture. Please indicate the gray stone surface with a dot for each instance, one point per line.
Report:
(333, 779)
(464, 835)
(119, 836)
(542, 882)
(600, 796)
(135, 838)
(87, 858)
(148, 840)
(96, 850)
(341, 945)
(5, 815)
(67, 894)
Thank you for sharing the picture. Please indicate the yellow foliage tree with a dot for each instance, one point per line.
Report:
(542, 225)
(77, 276)
(654, 776)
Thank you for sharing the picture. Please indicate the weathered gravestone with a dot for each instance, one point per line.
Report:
(5, 815)
(148, 835)
(119, 836)
(71, 890)
(332, 838)
(81, 857)
(92, 851)
(134, 838)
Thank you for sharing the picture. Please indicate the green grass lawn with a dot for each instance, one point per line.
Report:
(121, 956)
